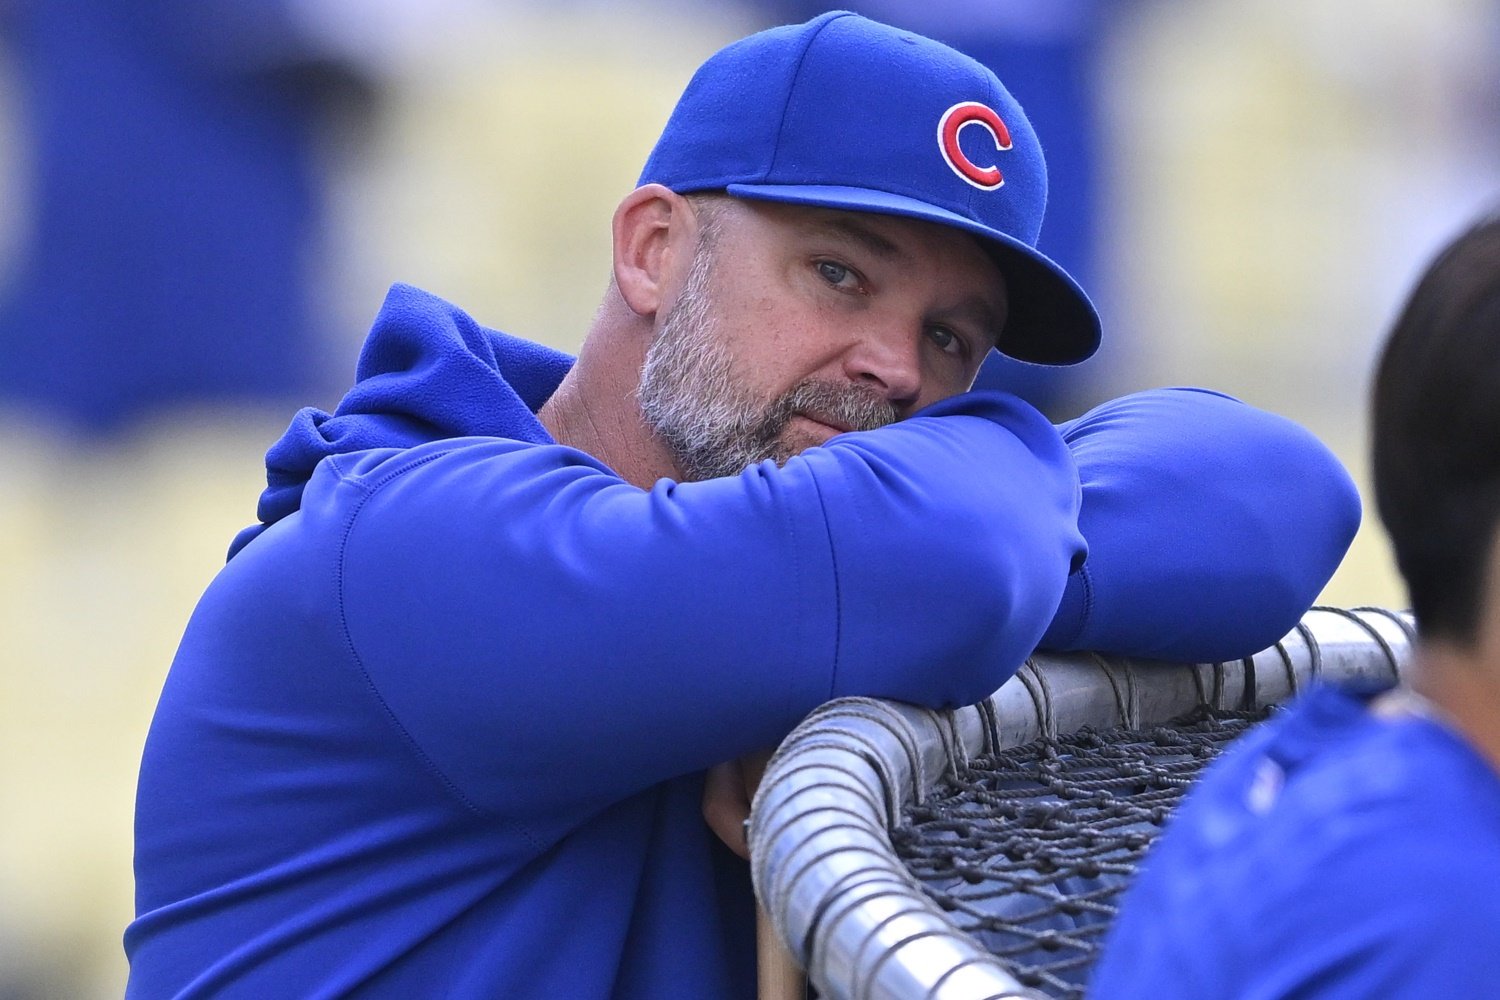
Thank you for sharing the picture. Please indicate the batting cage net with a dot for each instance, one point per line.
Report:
(981, 853)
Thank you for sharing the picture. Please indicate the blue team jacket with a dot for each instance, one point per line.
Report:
(1328, 855)
(438, 728)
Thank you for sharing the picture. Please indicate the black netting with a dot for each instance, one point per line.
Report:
(1029, 849)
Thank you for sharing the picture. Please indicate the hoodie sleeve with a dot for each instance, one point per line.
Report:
(1212, 526)
(550, 636)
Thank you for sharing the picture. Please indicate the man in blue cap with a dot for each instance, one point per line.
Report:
(441, 725)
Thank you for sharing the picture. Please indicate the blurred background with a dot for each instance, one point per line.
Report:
(203, 201)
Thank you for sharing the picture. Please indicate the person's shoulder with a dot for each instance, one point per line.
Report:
(1366, 760)
(1302, 789)
(375, 465)
(1329, 846)
(1333, 756)
(1374, 807)
(440, 477)
(1446, 797)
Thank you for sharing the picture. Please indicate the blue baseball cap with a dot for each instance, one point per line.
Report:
(843, 112)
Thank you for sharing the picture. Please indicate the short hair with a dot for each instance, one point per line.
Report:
(708, 206)
(1436, 434)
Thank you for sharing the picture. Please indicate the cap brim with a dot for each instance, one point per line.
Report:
(1050, 322)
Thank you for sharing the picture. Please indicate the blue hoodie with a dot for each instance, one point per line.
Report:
(1354, 855)
(439, 726)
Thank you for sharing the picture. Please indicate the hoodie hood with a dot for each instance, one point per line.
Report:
(427, 372)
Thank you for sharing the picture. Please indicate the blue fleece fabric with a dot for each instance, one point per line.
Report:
(439, 726)
(1329, 855)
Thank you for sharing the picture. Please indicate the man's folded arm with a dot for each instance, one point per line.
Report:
(522, 611)
(1211, 526)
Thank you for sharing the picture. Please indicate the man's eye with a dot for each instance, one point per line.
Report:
(835, 274)
(946, 340)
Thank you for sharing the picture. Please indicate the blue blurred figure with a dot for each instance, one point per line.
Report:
(176, 204)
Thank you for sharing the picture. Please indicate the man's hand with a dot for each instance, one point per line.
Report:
(727, 791)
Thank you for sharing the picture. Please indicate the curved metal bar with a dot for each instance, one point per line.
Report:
(822, 861)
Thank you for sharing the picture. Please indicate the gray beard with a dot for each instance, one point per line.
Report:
(710, 421)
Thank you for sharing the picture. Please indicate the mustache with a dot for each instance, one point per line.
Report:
(842, 404)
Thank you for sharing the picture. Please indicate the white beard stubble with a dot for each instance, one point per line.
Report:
(709, 419)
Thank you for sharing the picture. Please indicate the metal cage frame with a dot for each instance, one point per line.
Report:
(825, 873)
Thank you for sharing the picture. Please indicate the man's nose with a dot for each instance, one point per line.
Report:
(888, 358)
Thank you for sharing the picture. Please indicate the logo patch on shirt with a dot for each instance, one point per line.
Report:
(1265, 786)
(952, 123)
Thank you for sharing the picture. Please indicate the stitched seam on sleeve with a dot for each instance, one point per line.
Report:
(838, 597)
(791, 86)
(799, 607)
(1088, 601)
(369, 490)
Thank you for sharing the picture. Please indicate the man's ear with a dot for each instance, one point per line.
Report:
(652, 227)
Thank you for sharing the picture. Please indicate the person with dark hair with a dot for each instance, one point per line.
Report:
(1351, 847)
(441, 726)
(1436, 432)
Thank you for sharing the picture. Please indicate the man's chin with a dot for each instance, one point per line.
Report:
(803, 433)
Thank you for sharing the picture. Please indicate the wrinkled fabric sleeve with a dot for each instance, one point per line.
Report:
(552, 638)
(1211, 526)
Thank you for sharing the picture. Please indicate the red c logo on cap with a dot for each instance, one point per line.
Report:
(952, 123)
